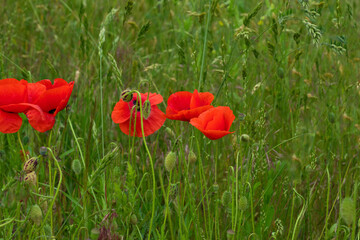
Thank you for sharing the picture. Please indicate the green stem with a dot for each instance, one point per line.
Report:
(21, 145)
(204, 46)
(151, 164)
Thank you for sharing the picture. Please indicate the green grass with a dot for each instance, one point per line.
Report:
(288, 69)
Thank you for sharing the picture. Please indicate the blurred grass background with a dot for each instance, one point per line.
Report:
(288, 69)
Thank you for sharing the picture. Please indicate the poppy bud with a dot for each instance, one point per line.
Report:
(94, 234)
(30, 178)
(133, 219)
(36, 214)
(215, 187)
(43, 151)
(226, 199)
(30, 165)
(127, 95)
(170, 161)
(243, 203)
(148, 195)
(230, 234)
(47, 230)
(76, 166)
(244, 138)
(146, 109)
(192, 156)
(347, 210)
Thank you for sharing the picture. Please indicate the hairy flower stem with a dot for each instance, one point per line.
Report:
(151, 164)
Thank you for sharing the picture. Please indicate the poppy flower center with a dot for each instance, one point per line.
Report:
(52, 111)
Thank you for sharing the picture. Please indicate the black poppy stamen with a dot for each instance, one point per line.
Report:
(52, 111)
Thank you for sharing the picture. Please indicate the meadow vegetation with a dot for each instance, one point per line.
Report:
(289, 71)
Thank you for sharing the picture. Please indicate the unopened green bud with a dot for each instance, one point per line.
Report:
(30, 178)
(133, 219)
(226, 199)
(146, 109)
(244, 138)
(47, 230)
(192, 157)
(30, 165)
(148, 195)
(170, 161)
(215, 187)
(95, 233)
(230, 234)
(43, 151)
(76, 166)
(347, 210)
(43, 204)
(126, 95)
(243, 203)
(36, 214)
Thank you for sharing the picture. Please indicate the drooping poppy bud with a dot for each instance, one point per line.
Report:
(170, 161)
(30, 178)
(126, 95)
(146, 109)
(30, 165)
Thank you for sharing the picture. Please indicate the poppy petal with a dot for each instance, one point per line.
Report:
(40, 121)
(19, 107)
(12, 91)
(214, 123)
(201, 99)
(9, 122)
(121, 112)
(177, 102)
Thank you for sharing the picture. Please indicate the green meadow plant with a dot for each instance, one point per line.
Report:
(183, 119)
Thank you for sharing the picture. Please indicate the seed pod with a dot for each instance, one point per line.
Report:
(226, 199)
(126, 95)
(146, 109)
(133, 219)
(30, 165)
(192, 157)
(76, 166)
(36, 214)
(243, 203)
(43, 151)
(30, 178)
(245, 138)
(347, 210)
(170, 161)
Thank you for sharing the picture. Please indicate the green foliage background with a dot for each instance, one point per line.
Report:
(288, 69)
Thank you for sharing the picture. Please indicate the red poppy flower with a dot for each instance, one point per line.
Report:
(51, 99)
(13, 100)
(214, 123)
(125, 113)
(184, 106)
